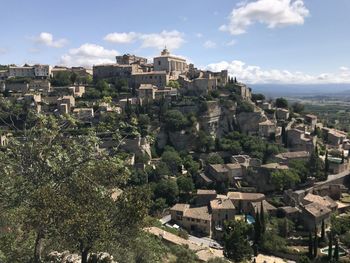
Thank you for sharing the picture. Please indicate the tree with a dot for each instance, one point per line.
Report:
(168, 190)
(52, 172)
(336, 250)
(174, 84)
(315, 246)
(323, 231)
(215, 159)
(304, 259)
(281, 103)
(330, 246)
(326, 165)
(62, 79)
(173, 160)
(236, 242)
(262, 218)
(297, 107)
(284, 179)
(185, 184)
(256, 97)
(257, 229)
(310, 254)
(175, 120)
(102, 85)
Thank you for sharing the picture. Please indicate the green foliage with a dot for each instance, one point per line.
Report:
(258, 96)
(191, 165)
(297, 107)
(340, 225)
(281, 103)
(215, 159)
(185, 184)
(205, 142)
(175, 120)
(183, 254)
(69, 175)
(236, 242)
(284, 179)
(62, 79)
(174, 84)
(168, 190)
(217, 260)
(244, 106)
(173, 160)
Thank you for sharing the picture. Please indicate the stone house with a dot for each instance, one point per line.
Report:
(85, 114)
(260, 177)
(282, 114)
(321, 200)
(193, 219)
(203, 196)
(313, 214)
(255, 207)
(242, 201)
(225, 172)
(267, 129)
(222, 209)
(286, 157)
(299, 140)
(311, 120)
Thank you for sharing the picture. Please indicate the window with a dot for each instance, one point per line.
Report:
(159, 62)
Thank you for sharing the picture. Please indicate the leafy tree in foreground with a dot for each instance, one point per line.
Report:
(236, 242)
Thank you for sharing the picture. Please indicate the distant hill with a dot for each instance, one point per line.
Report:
(290, 90)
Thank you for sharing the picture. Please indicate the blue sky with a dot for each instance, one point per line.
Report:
(260, 41)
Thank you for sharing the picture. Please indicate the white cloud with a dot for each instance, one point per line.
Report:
(255, 74)
(343, 68)
(209, 44)
(199, 35)
(231, 43)
(121, 38)
(48, 40)
(87, 55)
(273, 13)
(3, 51)
(171, 39)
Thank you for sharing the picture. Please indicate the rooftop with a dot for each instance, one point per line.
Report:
(246, 196)
(317, 210)
(321, 200)
(198, 213)
(221, 203)
(206, 192)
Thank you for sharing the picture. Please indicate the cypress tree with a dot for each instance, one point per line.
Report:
(326, 166)
(262, 218)
(235, 80)
(310, 246)
(336, 250)
(315, 243)
(323, 231)
(330, 246)
(257, 228)
(342, 157)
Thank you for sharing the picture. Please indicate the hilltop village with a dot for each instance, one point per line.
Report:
(230, 174)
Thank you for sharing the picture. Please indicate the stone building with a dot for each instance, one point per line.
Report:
(157, 78)
(222, 210)
(282, 114)
(128, 59)
(242, 200)
(203, 196)
(286, 157)
(36, 71)
(193, 219)
(172, 65)
(225, 172)
(113, 71)
(267, 129)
